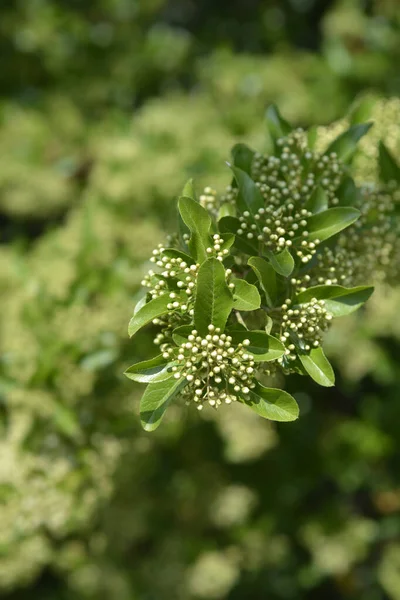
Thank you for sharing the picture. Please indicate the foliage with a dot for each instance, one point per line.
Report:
(106, 109)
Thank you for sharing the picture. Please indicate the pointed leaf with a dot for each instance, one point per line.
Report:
(174, 253)
(214, 300)
(180, 334)
(147, 371)
(198, 221)
(347, 192)
(153, 309)
(389, 170)
(231, 225)
(242, 157)
(263, 347)
(328, 223)
(156, 400)
(245, 296)
(273, 404)
(249, 196)
(283, 263)
(339, 301)
(318, 367)
(140, 304)
(276, 124)
(318, 201)
(345, 144)
(266, 275)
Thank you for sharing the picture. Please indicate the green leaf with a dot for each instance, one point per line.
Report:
(277, 126)
(326, 224)
(389, 170)
(231, 225)
(147, 371)
(174, 253)
(345, 144)
(198, 221)
(347, 192)
(318, 201)
(242, 157)
(339, 301)
(188, 190)
(273, 404)
(180, 334)
(140, 304)
(214, 300)
(283, 263)
(153, 309)
(249, 196)
(263, 347)
(156, 400)
(227, 210)
(318, 367)
(266, 275)
(245, 296)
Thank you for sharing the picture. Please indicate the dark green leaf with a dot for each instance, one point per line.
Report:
(263, 347)
(266, 276)
(345, 144)
(339, 301)
(156, 400)
(318, 367)
(249, 196)
(174, 253)
(198, 221)
(245, 296)
(214, 300)
(147, 371)
(347, 192)
(326, 224)
(153, 309)
(180, 334)
(273, 404)
(318, 201)
(277, 126)
(242, 157)
(282, 263)
(389, 170)
(231, 225)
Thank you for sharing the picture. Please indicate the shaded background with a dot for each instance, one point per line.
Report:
(106, 108)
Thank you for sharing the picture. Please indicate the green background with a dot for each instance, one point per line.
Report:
(106, 108)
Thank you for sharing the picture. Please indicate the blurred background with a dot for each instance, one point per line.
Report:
(106, 108)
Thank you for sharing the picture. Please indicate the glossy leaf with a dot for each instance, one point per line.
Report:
(283, 263)
(214, 300)
(276, 124)
(249, 196)
(339, 301)
(153, 309)
(273, 404)
(140, 304)
(180, 334)
(266, 276)
(198, 221)
(231, 225)
(263, 347)
(155, 369)
(242, 157)
(318, 367)
(345, 144)
(330, 222)
(318, 201)
(389, 170)
(156, 400)
(245, 296)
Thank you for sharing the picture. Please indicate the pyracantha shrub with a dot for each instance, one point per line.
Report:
(254, 277)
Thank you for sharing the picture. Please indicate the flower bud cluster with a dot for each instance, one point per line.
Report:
(278, 227)
(208, 200)
(302, 327)
(369, 250)
(216, 371)
(297, 170)
(217, 249)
